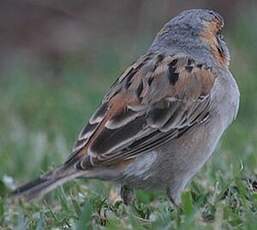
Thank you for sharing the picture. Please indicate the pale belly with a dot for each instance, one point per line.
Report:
(175, 163)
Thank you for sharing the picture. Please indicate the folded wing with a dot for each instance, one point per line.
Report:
(154, 101)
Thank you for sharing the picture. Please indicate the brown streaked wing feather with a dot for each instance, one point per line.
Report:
(102, 111)
(157, 101)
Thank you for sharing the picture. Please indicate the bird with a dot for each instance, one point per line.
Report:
(161, 120)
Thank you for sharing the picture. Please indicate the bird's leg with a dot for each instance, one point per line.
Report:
(174, 197)
(127, 194)
(175, 200)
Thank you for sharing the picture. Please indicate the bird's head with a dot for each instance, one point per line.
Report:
(195, 29)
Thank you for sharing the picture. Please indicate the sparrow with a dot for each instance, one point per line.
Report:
(161, 119)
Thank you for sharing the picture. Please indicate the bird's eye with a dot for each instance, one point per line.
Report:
(220, 35)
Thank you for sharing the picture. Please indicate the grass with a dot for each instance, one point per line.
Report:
(41, 117)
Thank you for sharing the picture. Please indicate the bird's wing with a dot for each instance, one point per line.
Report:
(155, 100)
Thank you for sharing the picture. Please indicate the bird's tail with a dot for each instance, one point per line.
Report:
(46, 183)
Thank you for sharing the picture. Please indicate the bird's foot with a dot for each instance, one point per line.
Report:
(127, 195)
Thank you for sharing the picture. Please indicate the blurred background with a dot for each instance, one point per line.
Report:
(58, 57)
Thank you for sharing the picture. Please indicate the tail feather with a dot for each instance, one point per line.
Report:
(46, 183)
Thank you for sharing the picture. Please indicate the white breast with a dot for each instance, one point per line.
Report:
(226, 96)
